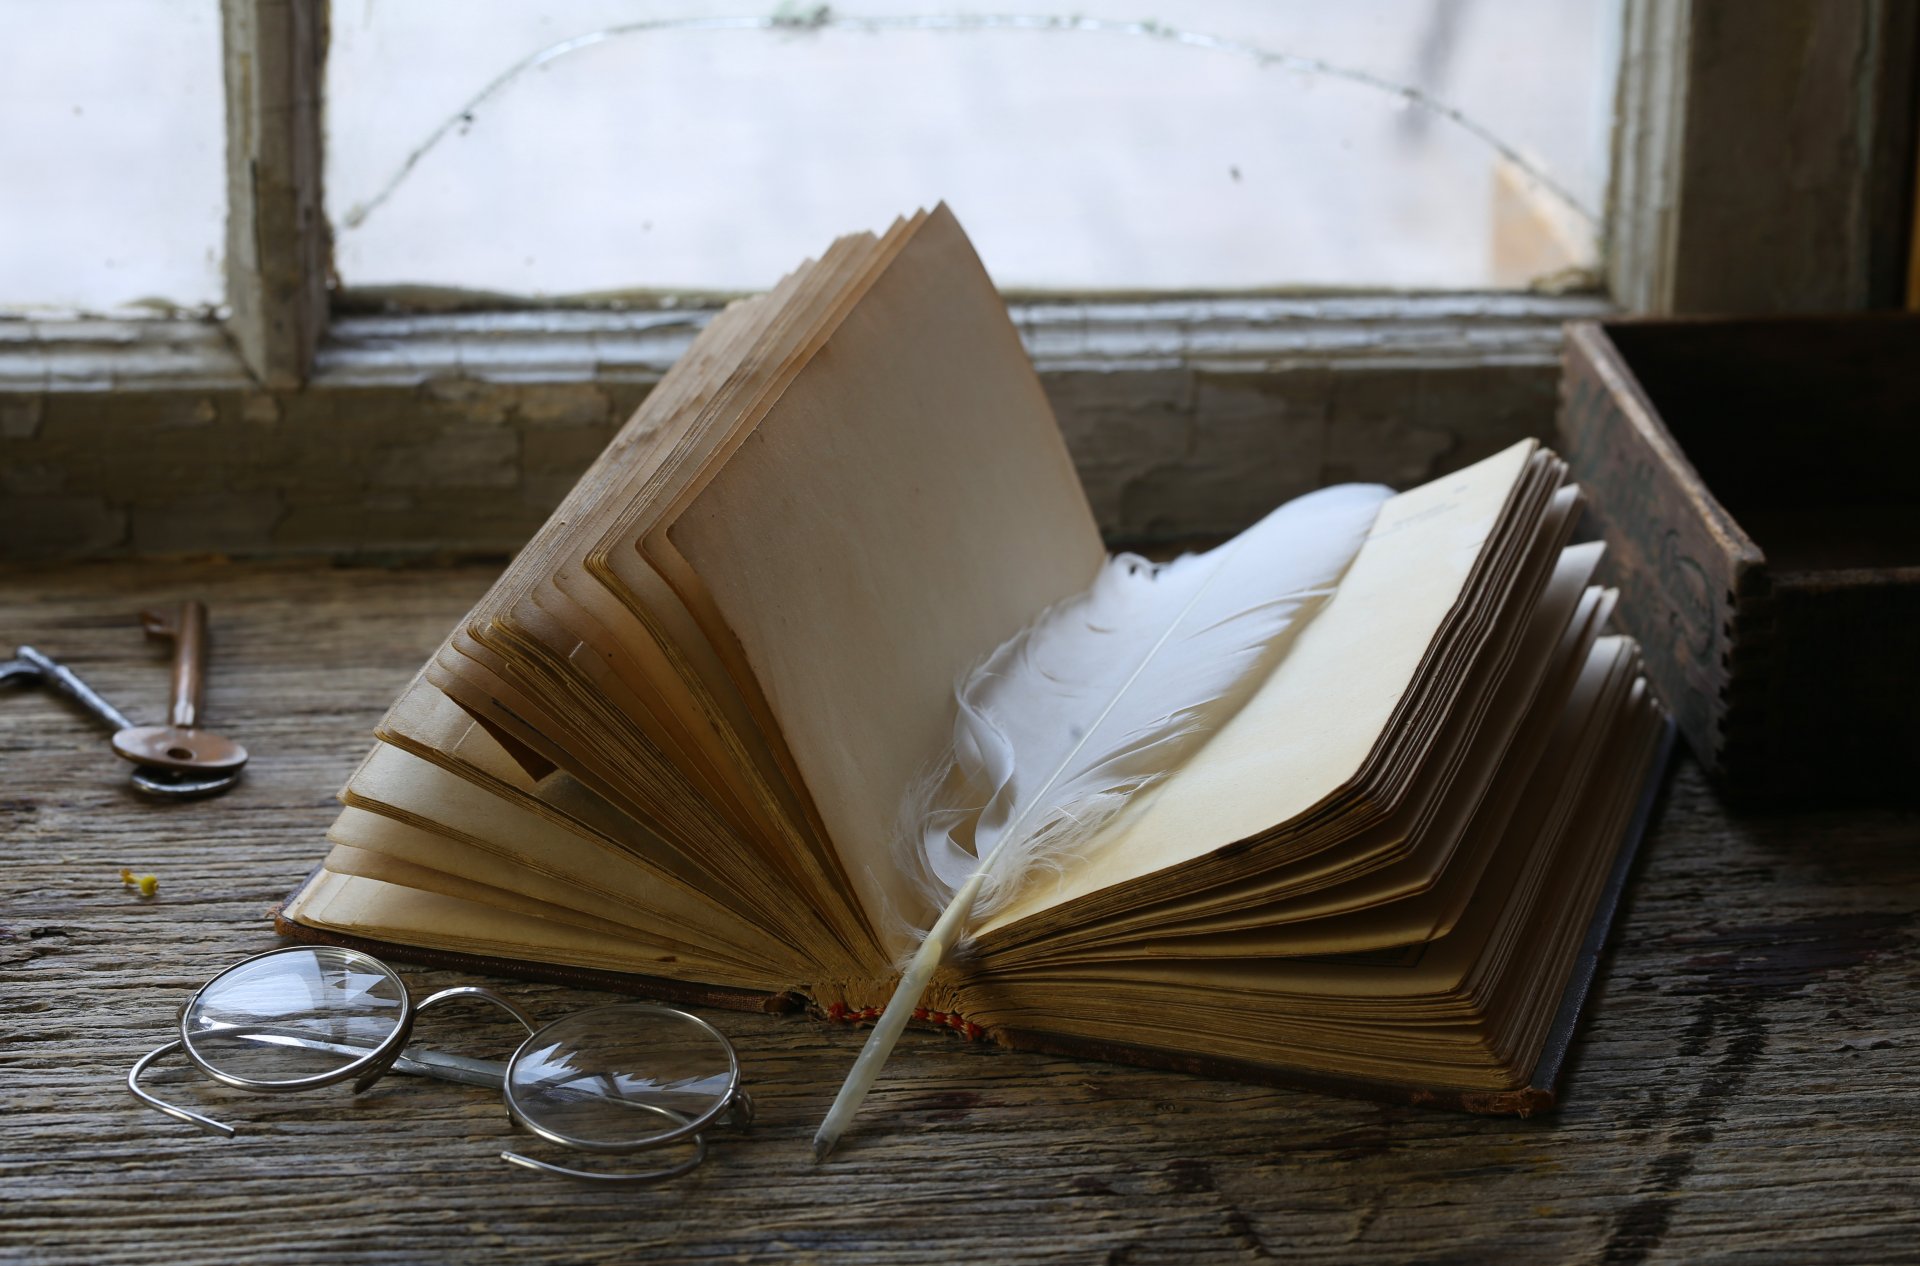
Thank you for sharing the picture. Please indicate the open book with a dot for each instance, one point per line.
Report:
(668, 750)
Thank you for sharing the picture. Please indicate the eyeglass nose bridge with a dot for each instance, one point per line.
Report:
(384, 1065)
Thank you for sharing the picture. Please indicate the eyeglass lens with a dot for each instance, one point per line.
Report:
(620, 1076)
(285, 1017)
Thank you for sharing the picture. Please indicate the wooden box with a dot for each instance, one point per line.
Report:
(1758, 486)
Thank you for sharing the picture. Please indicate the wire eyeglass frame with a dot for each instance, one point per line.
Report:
(391, 1055)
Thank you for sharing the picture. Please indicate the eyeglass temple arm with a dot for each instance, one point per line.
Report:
(161, 1105)
(641, 1179)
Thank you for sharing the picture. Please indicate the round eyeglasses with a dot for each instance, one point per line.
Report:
(620, 1078)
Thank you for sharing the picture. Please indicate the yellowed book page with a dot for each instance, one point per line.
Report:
(1431, 870)
(905, 507)
(429, 725)
(1443, 967)
(430, 920)
(625, 587)
(398, 784)
(1307, 730)
(1429, 912)
(429, 852)
(345, 859)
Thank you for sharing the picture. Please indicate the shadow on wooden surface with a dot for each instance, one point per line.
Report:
(1748, 1087)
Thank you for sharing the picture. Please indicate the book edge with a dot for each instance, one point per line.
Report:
(681, 991)
(1541, 1093)
(1548, 1071)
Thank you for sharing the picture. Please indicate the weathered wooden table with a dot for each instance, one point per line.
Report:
(1748, 1087)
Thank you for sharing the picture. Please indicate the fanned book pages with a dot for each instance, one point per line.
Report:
(1361, 826)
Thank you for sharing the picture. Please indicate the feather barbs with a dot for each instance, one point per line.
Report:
(1102, 695)
(1096, 700)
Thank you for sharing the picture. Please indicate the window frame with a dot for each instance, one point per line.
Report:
(1694, 225)
(1670, 209)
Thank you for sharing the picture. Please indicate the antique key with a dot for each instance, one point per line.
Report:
(30, 665)
(181, 744)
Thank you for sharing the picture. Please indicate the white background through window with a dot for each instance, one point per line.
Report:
(1216, 145)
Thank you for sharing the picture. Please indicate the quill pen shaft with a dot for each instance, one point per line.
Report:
(913, 986)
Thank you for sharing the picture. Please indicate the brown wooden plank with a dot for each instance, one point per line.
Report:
(1683, 565)
(1748, 1088)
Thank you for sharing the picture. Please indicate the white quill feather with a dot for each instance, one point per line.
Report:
(1096, 700)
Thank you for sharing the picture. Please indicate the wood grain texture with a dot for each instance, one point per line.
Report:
(1186, 417)
(1748, 1089)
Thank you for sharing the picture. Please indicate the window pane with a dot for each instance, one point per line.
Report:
(598, 146)
(111, 137)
